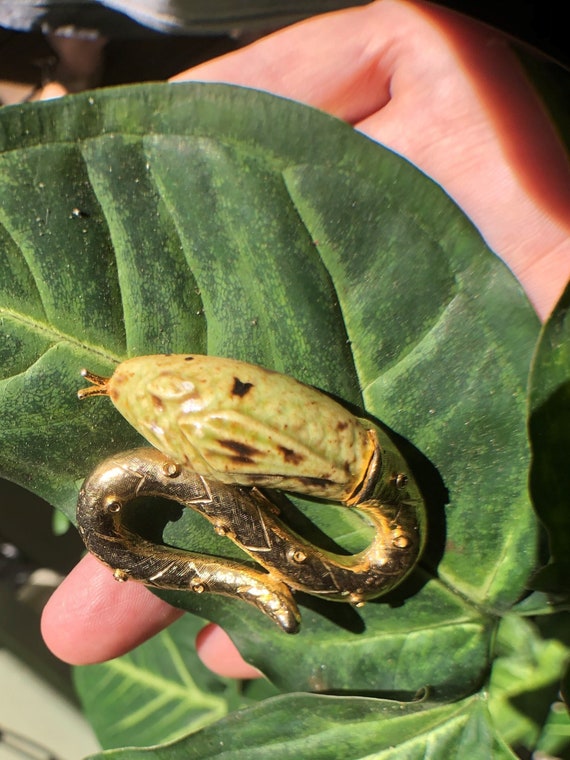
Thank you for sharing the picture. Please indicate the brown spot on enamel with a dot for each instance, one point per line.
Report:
(241, 460)
(157, 403)
(240, 388)
(242, 452)
(315, 481)
(293, 457)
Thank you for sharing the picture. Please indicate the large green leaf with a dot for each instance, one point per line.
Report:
(210, 219)
(329, 728)
(159, 692)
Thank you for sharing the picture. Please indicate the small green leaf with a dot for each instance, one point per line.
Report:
(554, 740)
(525, 680)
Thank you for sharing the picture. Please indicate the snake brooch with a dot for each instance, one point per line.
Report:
(224, 435)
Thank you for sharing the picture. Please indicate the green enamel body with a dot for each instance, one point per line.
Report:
(240, 423)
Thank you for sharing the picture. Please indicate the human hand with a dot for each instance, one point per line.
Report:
(449, 96)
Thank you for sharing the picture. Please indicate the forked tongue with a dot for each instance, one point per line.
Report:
(99, 388)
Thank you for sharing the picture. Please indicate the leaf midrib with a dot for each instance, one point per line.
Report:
(54, 335)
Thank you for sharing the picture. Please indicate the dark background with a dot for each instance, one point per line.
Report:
(542, 24)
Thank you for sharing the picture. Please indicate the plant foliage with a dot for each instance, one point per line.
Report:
(210, 219)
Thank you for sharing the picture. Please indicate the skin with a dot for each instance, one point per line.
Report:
(449, 96)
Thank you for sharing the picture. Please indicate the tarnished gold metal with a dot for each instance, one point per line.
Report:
(174, 404)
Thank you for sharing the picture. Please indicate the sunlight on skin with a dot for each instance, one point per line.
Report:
(217, 652)
(449, 96)
(91, 618)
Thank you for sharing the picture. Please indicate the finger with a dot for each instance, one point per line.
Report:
(328, 62)
(218, 653)
(473, 123)
(91, 618)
